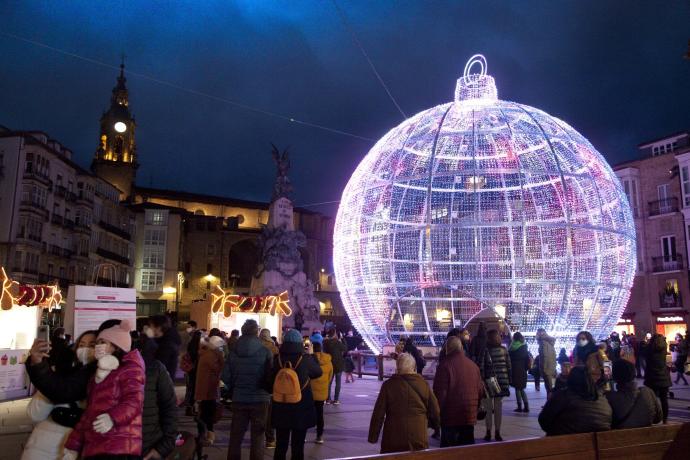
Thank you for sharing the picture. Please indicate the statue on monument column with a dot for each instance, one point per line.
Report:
(282, 187)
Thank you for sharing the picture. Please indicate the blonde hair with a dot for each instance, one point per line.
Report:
(405, 364)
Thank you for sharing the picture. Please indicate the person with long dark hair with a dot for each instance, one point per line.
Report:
(496, 363)
(586, 354)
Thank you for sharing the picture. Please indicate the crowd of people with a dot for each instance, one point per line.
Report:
(591, 389)
(111, 393)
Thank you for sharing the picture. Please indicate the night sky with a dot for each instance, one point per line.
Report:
(612, 69)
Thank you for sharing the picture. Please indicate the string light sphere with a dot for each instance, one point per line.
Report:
(483, 204)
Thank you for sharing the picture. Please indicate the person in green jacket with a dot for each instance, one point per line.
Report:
(336, 348)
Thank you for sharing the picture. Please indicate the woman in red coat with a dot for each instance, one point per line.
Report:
(111, 423)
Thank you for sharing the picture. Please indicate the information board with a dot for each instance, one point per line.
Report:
(89, 306)
(13, 379)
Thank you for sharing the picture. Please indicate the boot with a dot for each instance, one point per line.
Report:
(519, 408)
(209, 439)
(498, 436)
(487, 437)
(526, 409)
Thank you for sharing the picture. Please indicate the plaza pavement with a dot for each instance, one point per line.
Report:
(347, 425)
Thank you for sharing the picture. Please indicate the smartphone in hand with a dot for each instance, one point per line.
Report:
(43, 332)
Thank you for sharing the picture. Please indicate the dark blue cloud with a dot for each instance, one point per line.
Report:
(612, 69)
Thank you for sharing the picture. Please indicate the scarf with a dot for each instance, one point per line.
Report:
(106, 365)
(515, 344)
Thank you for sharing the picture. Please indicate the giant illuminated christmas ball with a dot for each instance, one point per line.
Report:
(483, 204)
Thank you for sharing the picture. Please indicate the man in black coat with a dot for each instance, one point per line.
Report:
(168, 341)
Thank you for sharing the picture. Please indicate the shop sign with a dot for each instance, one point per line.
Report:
(13, 293)
(670, 319)
(227, 303)
(625, 321)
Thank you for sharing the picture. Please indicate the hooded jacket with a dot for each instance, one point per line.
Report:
(634, 407)
(547, 356)
(159, 418)
(336, 349)
(656, 375)
(301, 415)
(120, 395)
(168, 351)
(568, 413)
(208, 374)
(405, 407)
(458, 387)
(245, 370)
(592, 361)
(519, 366)
(319, 386)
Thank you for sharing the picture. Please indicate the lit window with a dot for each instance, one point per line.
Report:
(154, 237)
(151, 280)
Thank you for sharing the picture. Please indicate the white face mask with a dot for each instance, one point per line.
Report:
(101, 350)
(149, 333)
(648, 336)
(85, 355)
(582, 342)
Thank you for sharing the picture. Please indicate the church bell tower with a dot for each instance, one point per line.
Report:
(115, 159)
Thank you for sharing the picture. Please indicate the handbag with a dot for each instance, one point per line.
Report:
(493, 389)
(67, 416)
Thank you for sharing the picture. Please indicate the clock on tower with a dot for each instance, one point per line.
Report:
(115, 158)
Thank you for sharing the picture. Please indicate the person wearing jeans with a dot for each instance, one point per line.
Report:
(337, 349)
(246, 373)
(319, 387)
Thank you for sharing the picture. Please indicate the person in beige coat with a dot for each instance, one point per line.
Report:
(405, 407)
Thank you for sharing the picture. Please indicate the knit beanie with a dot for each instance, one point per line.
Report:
(316, 338)
(119, 335)
(293, 336)
(623, 371)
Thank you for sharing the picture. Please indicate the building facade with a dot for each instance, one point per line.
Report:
(658, 188)
(57, 220)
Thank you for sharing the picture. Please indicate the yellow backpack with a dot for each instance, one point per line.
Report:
(286, 387)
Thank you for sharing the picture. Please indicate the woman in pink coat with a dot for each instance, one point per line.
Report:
(111, 424)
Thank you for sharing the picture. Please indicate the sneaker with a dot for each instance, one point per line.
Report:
(270, 444)
(328, 402)
(319, 440)
(336, 403)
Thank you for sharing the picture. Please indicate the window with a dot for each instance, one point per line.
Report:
(685, 180)
(151, 280)
(156, 217)
(209, 268)
(630, 188)
(153, 258)
(187, 265)
(210, 249)
(29, 168)
(668, 248)
(154, 237)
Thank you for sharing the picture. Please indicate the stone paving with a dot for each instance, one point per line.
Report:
(347, 425)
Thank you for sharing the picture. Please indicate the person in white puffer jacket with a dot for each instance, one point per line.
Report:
(48, 438)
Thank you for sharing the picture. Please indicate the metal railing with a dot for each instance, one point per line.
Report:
(667, 263)
(663, 206)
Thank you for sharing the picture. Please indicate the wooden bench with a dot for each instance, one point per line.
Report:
(667, 442)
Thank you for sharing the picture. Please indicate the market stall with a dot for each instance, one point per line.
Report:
(20, 313)
(228, 311)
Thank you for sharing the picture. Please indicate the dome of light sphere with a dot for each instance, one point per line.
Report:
(483, 204)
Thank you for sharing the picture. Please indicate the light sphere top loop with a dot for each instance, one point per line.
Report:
(476, 87)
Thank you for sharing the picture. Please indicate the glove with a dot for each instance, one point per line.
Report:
(103, 424)
(70, 455)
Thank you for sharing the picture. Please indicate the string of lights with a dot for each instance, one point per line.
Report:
(169, 84)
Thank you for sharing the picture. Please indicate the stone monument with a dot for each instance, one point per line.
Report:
(280, 265)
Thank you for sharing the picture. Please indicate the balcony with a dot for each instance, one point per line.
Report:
(115, 230)
(665, 206)
(42, 178)
(59, 251)
(112, 256)
(33, 207)
(82, 198)
(670, 300)
(82, 227)
(56, 219)
(667, 263)
(26, 237)
(60, 191)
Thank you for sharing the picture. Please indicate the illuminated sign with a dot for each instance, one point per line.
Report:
(13, 293)
(670, 319)
(227, 303)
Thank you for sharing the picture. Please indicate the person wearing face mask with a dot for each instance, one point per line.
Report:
(54, 422)
(168, 340)
(586, 354)
(111, 425)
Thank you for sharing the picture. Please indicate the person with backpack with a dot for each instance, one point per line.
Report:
(293, 410)
(337, 349)
(246, 372)
(319, 387)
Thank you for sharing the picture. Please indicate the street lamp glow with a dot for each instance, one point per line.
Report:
(483, 204)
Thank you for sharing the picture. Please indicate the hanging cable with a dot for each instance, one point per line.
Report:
(188, 90)
(346, 24)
